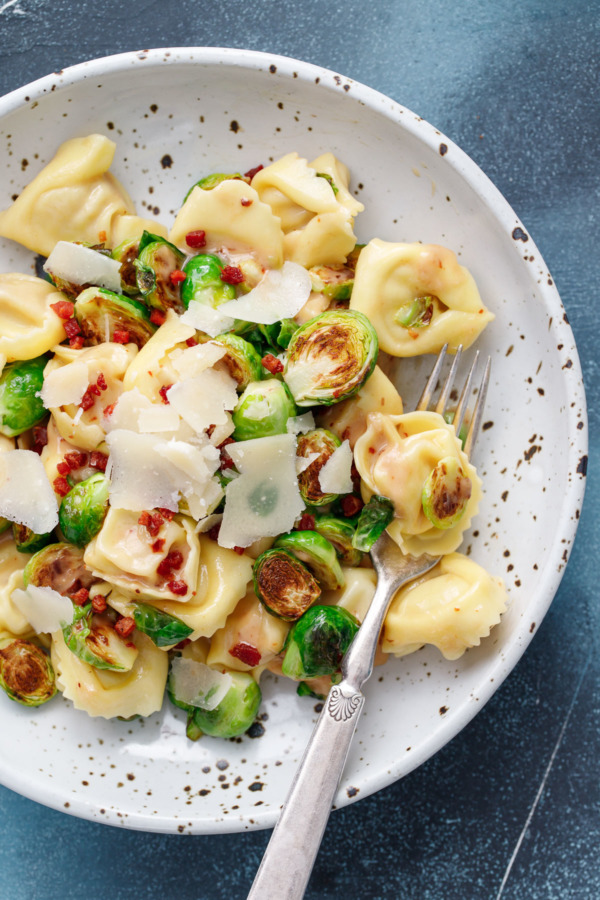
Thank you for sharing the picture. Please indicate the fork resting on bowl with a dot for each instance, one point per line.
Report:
(294, 844)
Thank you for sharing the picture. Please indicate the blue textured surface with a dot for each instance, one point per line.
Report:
(510, 808)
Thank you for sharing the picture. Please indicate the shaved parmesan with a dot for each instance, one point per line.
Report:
(203, 400)
(194, 360)
(44, 608)
(158, 418)
(303, 462)
(81, 265)
(65, 385)
(126, 411)
(335, 476)
(300, 424)
(196, 684)
(207, 319)
(280, 294)
(26, 496)
(265, 500)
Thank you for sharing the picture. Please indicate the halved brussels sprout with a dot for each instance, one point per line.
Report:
(101, 313)
(126, 253)
(324, 443)
(211, 181)
(157, 260)
(21, 406)
(83, 509)
(162, 628)
(336, 281)
(93, 640)
(26, 673)
(330, 357)
(446, 493)
(58, 566)
(317, 553)
(235, 713)
(374, 518)
(242, 361)
(203, 282)
(284, 585)
(317, 642)
(28, 541)
(340, 533)
(262, 410)
(279, 334)
(416, 314)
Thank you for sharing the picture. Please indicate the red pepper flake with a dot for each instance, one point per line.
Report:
(75, 460)
(63, 309)
(306, 522)
(76, 343)
(157, 317)
(125, 626)
(245, 201)
(99, 603)
(80, 597)
(121, 336)
(165, 513)
(252, 172)
(72, 328)
(63, 468)
(191, 342)
(61, 486)
(213, 532)
(101, 382)
(173, 560)
(355, 476)
(226, 460)
(246, 653)
(196, 239)
(272, 364)
(351, 505)
(182, 644)
(152, 521)
(240, 550)
(109, 410)
(232, 275)
(158, 546)
(98, 460)
(177, 276)
(88, 399)
(178, 587)
(40, 438)
(163, 392)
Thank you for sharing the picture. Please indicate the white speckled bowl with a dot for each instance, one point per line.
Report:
(178, 114)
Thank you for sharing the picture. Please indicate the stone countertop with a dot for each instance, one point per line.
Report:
(509, 809)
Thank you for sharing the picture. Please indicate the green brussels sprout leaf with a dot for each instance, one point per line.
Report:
(317, 553)
(374, 518)
(93, 640)
(83, 509)
(21, 405)
(317, 642)
(446, 493)
(162, 628)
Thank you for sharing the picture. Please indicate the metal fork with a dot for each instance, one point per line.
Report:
(292, 850)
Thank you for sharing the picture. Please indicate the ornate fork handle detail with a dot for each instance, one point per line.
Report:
(342, 706)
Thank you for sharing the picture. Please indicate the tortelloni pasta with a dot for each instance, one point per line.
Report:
(108, 694)
(100, 368)
(314, 205)
(29, 326)
(12, 564)
(395, 457)
(453, 607)
(250, 638)
(161, 564)
(418, 297)
(74, 198)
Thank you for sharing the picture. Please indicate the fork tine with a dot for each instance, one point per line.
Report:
(445, 394)
(477, 416)
(461, 407)
(429, 388)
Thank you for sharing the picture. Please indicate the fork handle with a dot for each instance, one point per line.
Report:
(292, 850)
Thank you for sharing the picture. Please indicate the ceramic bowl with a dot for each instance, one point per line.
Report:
(178, 114)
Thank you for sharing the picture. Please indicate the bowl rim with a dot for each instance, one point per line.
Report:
(576, 425)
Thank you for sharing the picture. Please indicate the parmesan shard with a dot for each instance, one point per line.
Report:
(280, 294)
(197, 684)
(82, 265)
(265, 500)
(203, 400)
(65, 385)
(26, 496)
(44, 608)
(300, 424)
(206, 318)
(335, 477)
